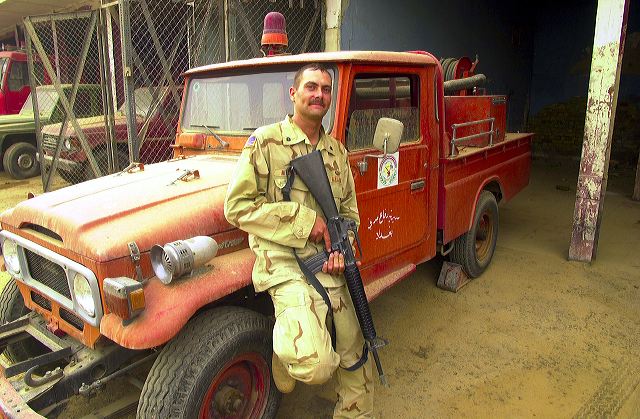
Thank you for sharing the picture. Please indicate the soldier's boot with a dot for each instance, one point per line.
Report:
(284, 382)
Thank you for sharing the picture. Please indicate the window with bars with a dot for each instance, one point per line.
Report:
(377, 96)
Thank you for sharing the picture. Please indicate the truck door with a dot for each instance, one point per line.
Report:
(17, 86)
(392, 192)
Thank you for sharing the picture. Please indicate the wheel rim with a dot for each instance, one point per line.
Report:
(484, 237)
(240, 390)
(25, 161)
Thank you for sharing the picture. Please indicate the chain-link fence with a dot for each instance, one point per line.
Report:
(109, 82)
(158, 53)
(304, 25)
(65, 61)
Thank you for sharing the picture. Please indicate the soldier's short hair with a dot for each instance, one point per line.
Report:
(312, 66)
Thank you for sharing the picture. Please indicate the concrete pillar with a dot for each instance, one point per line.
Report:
(636, 189)
(608, 47)
(334, 21)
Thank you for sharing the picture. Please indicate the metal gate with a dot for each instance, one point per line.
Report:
(304, 25)
(112, 80)
(65, 68)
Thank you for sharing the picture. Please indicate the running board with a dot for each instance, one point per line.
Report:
(377, 287)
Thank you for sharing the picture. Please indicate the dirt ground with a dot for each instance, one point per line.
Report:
(535, 336)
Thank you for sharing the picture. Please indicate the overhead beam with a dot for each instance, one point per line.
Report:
(334, 22)
(608, 47)
(636, 189)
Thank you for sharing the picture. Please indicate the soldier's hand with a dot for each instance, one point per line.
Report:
(319, 232)
(335, 264)
(358, 262)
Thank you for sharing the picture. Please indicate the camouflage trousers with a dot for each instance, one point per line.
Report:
(302, 341)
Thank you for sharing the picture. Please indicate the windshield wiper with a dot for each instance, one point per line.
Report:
(223, 143)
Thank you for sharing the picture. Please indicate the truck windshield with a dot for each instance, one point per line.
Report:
(241, 103)
(144, 98)
(4, 62)
(47, 100)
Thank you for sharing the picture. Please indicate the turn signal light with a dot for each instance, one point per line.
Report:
(191, 140)
(124, 297)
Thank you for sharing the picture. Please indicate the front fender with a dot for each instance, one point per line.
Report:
(169, 307)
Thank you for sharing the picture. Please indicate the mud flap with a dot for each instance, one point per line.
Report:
(452, 277)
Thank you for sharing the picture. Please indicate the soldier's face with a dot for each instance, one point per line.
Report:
(312, 98)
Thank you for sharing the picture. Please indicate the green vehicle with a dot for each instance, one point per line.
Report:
(18, 144)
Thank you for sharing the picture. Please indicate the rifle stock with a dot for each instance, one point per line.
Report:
(310, 168)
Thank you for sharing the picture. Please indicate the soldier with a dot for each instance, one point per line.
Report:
(302, 342)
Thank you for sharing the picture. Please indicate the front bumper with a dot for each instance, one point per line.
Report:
(41, 383)
(63, 164)
(11, 403)
(15, 393)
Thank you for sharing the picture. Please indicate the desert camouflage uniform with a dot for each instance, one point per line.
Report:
(255, 204)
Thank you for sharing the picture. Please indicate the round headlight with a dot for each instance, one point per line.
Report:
(82, 291)
(67, 144)
(10, 253)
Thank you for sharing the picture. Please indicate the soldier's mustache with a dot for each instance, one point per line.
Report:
(317, 102)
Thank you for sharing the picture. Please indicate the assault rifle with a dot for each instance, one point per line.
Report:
(310, 168)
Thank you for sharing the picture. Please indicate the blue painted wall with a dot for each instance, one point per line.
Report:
(497, 31)
(538, 54)
(563, 46)
(562, 58)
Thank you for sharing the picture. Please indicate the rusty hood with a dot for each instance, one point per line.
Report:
(97, 219)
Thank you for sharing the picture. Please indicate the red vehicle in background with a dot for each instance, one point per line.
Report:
(156, 120)
(14, 81)
(110, 273)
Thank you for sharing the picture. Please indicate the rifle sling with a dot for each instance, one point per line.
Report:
(315, 283)
(311, 278)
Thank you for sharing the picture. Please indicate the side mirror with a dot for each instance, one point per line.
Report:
(386, 139)
(388, 134)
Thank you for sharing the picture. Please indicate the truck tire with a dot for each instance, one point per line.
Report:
(474, 249)
(11, 308)
(20, 161)
(219, 365)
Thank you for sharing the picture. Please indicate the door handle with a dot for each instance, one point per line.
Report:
(417, 185)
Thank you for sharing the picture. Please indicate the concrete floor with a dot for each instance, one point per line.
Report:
(534, 336)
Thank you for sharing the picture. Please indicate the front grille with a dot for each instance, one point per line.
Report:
(49, 142)
(40, 300)
(72, 319)
(48, 273)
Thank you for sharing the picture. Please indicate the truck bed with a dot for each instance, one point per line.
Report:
(502, 168)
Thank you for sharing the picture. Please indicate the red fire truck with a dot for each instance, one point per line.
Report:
(84, 287)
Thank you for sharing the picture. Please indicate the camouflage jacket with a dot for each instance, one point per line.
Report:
(255, 204)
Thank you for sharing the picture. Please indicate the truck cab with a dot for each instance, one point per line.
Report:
(90, 261)
(18, 140)
(14, 81)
